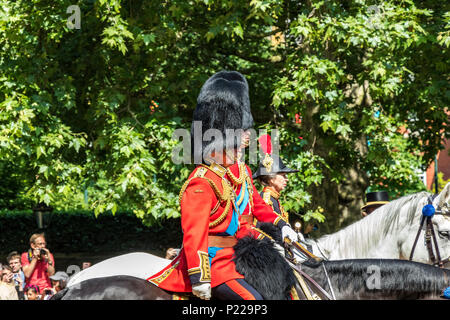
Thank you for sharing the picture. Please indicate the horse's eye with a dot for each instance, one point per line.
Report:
(444, 234)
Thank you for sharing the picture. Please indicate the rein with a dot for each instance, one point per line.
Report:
(297, 267)
(311, 280)
(427, 214)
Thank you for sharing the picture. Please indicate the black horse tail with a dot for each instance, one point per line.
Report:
(60, 294)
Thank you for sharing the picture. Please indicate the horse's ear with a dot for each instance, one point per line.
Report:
(444, 196)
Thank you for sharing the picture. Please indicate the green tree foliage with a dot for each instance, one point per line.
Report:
(87, 115)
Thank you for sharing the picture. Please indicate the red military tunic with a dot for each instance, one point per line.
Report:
(207, 209)
(271, 197)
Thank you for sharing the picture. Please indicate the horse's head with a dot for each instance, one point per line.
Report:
(390, 231)
(441, 226)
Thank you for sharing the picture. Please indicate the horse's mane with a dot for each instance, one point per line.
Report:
(395, 275)
(358, 238)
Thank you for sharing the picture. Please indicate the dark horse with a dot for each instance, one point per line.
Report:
(350, 279)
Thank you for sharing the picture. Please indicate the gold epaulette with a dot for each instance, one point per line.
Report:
(272, 192)
(200, 173)
(266, 198)
(268, 192)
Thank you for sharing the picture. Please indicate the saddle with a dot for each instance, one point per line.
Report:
(275, 277)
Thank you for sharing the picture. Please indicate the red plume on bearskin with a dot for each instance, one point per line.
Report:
(265, 142)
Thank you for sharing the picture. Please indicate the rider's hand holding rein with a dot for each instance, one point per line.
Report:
(288, 232)
(202, 290)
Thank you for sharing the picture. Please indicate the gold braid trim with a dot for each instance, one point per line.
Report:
(216, 207)
(293, 294)
(250, 189)
(284, 213)
(272, 192)
(269, 192)
(262, 234)
(222, 216)
(179, 296)
(216, 190)
(205, 268)
(233, 178)
(162, 277)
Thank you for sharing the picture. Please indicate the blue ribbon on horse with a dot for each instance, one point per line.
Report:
(428, 210)
(446, 293)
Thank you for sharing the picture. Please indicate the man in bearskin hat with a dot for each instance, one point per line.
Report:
(211, 211)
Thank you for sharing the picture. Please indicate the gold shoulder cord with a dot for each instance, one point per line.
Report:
(242, 176)
(250, 189)
(227, 194)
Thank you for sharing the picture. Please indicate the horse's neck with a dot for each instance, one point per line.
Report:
(362, 238)
(355, 241)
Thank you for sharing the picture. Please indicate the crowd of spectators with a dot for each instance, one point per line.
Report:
(32, 274)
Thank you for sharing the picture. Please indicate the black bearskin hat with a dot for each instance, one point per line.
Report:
(222, 104)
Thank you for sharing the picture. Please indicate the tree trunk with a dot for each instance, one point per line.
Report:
(341, 201)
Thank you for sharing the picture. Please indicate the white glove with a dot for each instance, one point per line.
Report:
(288, 232)
(202, 290)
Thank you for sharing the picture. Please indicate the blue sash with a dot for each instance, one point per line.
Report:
(234, 223)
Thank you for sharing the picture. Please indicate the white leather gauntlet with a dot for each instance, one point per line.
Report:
(202, 290)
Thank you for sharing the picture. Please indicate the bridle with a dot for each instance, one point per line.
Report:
(428, 212)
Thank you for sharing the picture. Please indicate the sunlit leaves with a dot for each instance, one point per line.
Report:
(76, 112)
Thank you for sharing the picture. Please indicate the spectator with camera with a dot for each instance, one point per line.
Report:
(13, 260)
(15, 276)
(59, 282)
(7, 288)
(38, 263)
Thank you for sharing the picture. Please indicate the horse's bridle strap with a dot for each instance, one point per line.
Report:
(429, 237)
